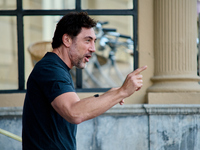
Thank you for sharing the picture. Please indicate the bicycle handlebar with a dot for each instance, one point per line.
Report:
(109, 30)
(124, 36)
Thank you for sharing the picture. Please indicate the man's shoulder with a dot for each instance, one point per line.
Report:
(53, 62)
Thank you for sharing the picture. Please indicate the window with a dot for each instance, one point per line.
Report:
(25, 22)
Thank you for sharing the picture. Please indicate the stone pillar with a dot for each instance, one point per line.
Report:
(175, 74)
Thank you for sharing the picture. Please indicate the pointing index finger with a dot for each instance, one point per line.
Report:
(137, 71)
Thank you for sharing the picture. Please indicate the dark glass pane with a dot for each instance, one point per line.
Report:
(8, 4)
(114, 53)
(107, 4)
(48, 4)
(112, 61)
(8, 51)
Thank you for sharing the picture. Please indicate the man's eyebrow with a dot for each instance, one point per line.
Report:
(90, 38)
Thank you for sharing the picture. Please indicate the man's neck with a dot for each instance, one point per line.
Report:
(62, 52)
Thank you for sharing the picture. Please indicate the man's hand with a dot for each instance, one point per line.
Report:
(133, 82)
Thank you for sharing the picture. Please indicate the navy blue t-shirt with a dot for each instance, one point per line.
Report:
(43, 127)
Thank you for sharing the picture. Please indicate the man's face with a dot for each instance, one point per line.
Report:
(83, 45)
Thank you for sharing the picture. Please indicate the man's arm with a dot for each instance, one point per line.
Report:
(75, 111)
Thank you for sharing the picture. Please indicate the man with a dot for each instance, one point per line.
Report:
(52, 109)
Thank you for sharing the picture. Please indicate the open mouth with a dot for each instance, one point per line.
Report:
(87, 57)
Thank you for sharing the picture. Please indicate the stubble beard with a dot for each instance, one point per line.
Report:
(78, 63)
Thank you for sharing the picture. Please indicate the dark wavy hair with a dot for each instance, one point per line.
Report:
(71, 24)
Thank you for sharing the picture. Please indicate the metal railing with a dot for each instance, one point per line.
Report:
(11, 135)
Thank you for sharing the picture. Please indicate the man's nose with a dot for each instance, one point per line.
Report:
(92, 48)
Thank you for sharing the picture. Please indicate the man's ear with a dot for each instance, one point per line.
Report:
(66, 40)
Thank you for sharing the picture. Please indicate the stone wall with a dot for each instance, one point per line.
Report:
(128, 127)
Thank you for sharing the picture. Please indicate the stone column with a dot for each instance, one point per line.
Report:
(175, 30)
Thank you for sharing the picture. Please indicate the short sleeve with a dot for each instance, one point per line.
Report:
(57, 88)
(54, 80)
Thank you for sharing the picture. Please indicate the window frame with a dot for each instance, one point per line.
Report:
(19, 12)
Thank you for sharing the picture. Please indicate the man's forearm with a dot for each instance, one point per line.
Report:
(92, 107)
